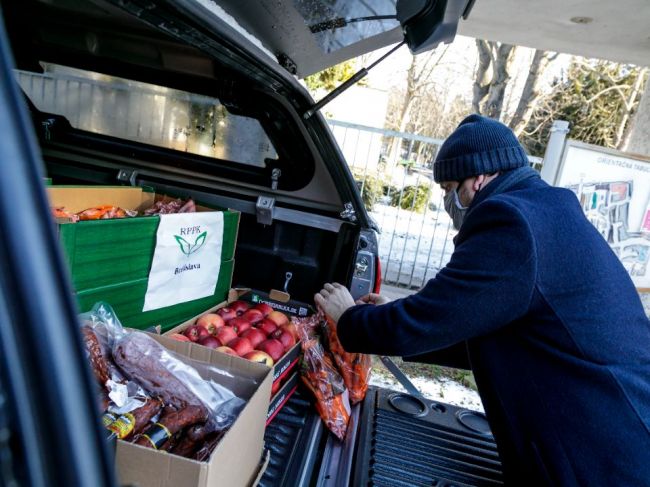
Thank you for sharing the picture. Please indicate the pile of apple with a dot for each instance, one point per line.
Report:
(259, 334)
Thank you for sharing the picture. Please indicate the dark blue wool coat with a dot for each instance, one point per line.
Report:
(554, 332)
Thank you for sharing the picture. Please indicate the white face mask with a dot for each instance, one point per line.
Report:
(454, 208)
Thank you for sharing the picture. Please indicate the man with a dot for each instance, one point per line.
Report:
(535, 301)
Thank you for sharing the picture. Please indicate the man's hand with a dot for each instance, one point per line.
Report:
(373, 298)
(334, 300)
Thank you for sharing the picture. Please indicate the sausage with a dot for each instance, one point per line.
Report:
(130, 424)
(98, 361)
(171, 422)
(139, 357)
(203, 454)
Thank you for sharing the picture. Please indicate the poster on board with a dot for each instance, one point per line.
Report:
(614, 191)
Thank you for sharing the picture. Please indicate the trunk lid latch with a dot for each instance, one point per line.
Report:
(264, 209)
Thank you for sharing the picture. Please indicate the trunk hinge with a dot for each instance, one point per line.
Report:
(264, 209)
(348, 212)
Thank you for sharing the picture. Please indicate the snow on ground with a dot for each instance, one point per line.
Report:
(413, 246)
(443, 390)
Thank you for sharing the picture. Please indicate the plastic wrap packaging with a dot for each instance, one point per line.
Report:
(320, 376)
(141, 368)
(354, 367)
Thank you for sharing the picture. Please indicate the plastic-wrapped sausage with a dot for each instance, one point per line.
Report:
(130, 424)
(171, 422)
(98, 361)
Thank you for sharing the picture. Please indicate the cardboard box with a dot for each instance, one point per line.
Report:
(110, 260)
(237, 459)
(282, 396)
(290, 359)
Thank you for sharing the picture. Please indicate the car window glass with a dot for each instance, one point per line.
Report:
(335, 25)
(147, 113)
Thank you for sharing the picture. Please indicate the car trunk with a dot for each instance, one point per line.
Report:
(313, 248)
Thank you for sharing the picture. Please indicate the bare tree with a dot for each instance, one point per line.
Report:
(492, 76)
(530, 94)
(418, 80)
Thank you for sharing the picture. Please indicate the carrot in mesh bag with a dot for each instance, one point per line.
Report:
(354, 367)
(322, 379)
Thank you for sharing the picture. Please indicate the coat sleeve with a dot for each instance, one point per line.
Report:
(455, 356)
(487, 284)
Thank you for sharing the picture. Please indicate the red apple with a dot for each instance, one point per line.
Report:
(179, 337)
(291, 328)
(227, 313)
(254, 336)
(267, 326)
(211, 322)
(285, 338)
(273, 347)
(239, 324)
(278, 318)
(225, 334)
(253, 315)
(259, 357)
(227, 350)
(241, 346)
(239, 307)
(210, 342)
(195, 333)
(264, 308)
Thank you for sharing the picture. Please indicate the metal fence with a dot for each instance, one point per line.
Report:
(394, 174)
(395, 177)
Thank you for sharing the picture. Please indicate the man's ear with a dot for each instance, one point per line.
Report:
(478, 182)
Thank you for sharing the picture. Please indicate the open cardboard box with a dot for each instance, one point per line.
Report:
(238, 458)
(277, 300)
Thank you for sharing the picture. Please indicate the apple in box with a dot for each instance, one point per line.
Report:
(285, 337)
(227, 313)
(227, 350)
(267, 326)
(211, 322)
(179, 337)
(240, 324)
(210, 342)
(254, 336)
(241, 346)
(273, 347)
(239, 307)
(259, 357)
(278, 318)
(264, 308)
(196, 332)
(226, 334)
(253, 316)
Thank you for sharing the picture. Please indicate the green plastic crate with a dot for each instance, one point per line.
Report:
(105, 252)
(127, 299)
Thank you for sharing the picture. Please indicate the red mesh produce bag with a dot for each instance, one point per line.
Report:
(320, 376)
(354, 367)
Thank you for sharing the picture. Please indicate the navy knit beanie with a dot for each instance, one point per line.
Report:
(479, 145)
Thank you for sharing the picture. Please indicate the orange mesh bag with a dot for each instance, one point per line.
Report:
(320, 376)
(354, 367)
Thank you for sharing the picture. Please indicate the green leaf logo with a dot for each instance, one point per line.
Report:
(188, 248)
(198, 243)
(185, 245)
